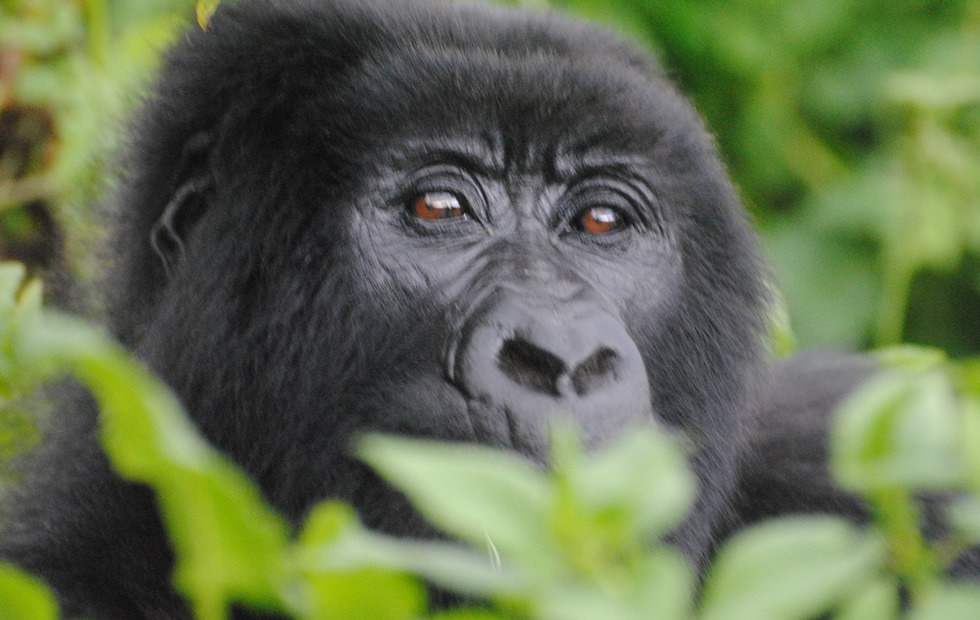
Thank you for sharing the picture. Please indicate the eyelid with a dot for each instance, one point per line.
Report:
(447, 178)
(593, 193)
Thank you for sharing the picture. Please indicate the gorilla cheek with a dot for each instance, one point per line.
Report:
(523, 362)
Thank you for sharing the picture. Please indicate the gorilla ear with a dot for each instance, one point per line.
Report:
(188, 202)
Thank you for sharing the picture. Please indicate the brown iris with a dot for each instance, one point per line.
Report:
(600, 221)
(437, 206)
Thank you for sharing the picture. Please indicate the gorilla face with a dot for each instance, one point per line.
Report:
(531, 243)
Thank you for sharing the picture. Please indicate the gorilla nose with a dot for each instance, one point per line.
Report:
(526, 362)
(560, 371)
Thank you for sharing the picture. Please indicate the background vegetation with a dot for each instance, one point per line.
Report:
(852, 128)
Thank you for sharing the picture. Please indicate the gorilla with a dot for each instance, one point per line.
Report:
(445, 221)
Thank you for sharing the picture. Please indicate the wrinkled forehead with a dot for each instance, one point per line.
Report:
(531, 110)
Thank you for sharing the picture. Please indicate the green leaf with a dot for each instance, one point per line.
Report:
(790, 568)
(229, 543)
(879, 600)
(458, 569)
(333, 540)
(470, 614)
(912, 358)
(817, 270)
(644, 475)
(779, 326)
(20, 309)
(968, 375)
(366, 593)
(11, 279)
(970, 439)
(964, 515)
(900, 430)
(571, 602)
(948, 602)
(665, 586)
(344, 571)
(23, 597)
(483, 496)
(205, 9)
(327, 522)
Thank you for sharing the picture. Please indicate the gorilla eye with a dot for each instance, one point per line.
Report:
(599, 221)
(438, 206)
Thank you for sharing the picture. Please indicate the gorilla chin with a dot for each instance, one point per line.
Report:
(444, 220)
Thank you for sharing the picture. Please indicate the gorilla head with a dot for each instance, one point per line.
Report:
(449, 221)
(446, 221)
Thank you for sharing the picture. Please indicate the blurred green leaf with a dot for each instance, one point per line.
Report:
(782, 340)
(326, 523)
(365, 593)
(949, 602)
(829, 283)
(968, 378)
(333, 540)
(665, 586)
(790, 568)
(970, 439)
(899, 430)
(345, 568)
(23, 597)
(911, 358)
(878, 600)
(965, 517)
(43, 36)
(469, 614)
(478, 494)
(205, 9)
(647, 506)
(569, 602)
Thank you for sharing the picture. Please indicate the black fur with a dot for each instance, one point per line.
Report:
(267, 265)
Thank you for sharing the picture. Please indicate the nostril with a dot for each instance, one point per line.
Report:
(594, 372)
(540, 370)
(519, 364)
(530, 366)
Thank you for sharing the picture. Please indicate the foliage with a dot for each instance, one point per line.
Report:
(73, 68)
(579, 540)
(23, 597)
(69, 71)
(205, 9)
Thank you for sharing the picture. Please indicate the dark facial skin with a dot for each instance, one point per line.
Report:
(526, 259)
